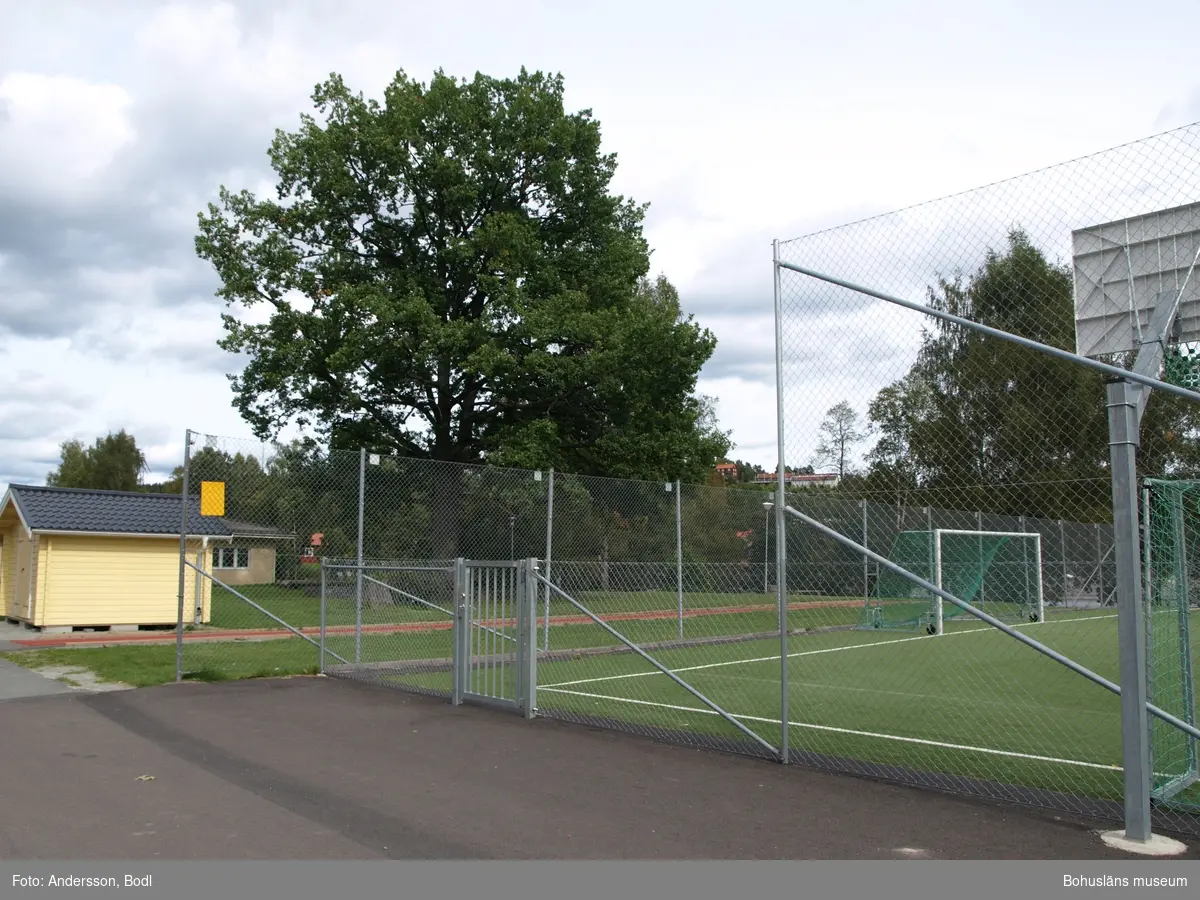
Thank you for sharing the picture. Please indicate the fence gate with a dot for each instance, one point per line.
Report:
(495, 627)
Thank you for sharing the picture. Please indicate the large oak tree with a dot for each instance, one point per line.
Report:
(445, 273)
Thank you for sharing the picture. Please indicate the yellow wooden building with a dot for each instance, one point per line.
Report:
(72, 558)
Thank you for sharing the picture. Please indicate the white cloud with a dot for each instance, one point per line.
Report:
(747, 408)
(738, 124)
(155, 397)
(58, 134)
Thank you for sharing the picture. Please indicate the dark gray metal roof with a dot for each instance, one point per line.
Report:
(254, 530)
(110, 512)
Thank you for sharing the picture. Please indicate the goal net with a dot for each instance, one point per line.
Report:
(998, 572)
(1171, 562)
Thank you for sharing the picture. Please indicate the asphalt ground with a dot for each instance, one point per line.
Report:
(322, 768)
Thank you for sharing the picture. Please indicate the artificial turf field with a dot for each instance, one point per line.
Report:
(972, 702)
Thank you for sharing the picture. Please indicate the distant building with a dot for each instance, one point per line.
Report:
(309, 554)
(728, 471)
(831, 479)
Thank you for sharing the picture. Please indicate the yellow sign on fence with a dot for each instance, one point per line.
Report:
(212, 498)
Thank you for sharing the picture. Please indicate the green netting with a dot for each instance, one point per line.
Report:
(1181, 365)
(896, 602)
(1172, 575)
(997, 573)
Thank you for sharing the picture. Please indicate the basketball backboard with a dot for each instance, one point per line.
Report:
(1122, 268)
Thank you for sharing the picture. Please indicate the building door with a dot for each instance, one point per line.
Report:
(19, 599)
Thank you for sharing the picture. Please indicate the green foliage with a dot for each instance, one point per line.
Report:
(982, 424)
(447, 275)
(747, 472)
(722, 525)
(298, 490)
(643, 419)
(112, 463)
(172, 485)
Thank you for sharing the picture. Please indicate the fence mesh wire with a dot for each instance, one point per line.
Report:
(658, 606)
(932, 425)
(663, 618)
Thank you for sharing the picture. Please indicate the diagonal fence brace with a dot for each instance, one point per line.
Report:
(732, 720)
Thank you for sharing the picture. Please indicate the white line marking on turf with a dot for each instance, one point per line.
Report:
(972, 702)
(735, 662)
(871, 734)
(738, 662)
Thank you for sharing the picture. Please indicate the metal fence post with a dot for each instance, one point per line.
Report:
(358, 586)
(322, 615)
(1135, 734)
(456, 635)
(549, 545)
(983, 575)
(780, 523)
(1147, 560)
(1025, 556)
(1062, 548)
(528, 639)
(459, 652)
(183, 526)
(767, 548)
(198, 592)
(866, 562)
(1099, 567)
(520, 615)
(679, 553)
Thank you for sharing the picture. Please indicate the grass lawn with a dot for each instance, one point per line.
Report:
(143, 666)
(300, 609)
(154, 665)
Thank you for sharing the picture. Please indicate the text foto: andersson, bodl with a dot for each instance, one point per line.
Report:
(81, 881)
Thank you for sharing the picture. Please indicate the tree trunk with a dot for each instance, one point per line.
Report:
(447, 497)
(604, 582)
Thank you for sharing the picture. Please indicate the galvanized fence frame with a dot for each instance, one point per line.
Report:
(671, 566)
(445, 670)
(1128, 390)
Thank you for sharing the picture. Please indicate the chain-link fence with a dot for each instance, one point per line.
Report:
(957, 356)
(656, 606)
(952, 612)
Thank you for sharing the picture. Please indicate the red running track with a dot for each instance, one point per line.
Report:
(229, 634)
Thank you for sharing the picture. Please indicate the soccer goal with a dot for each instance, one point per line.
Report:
(997, 572)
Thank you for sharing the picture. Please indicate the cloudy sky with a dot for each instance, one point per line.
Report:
(738, 123)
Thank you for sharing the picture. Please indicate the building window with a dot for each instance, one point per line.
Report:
(231, 558)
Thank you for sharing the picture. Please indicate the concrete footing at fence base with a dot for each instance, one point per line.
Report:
(26, 626)
(1158, 845)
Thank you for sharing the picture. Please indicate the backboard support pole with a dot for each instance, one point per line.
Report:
(1123, 400)
(1153, 350)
